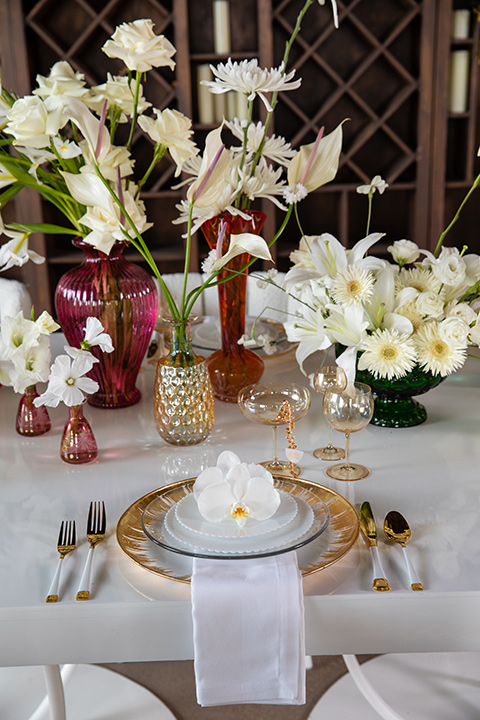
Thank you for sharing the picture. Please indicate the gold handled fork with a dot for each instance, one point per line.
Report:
(96, 524)
(65, 545)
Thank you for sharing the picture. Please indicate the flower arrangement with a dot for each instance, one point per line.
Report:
(419, 311)
(60, 140)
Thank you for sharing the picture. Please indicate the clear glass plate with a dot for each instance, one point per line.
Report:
(153, 525)
(282, 536)
(188, 515)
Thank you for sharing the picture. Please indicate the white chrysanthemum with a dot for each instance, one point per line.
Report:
(293, 194)
(275, 148)
(353, 285)
(387, 354)
(418, 278)
(248, 78)
(264, 183)
(437, 355)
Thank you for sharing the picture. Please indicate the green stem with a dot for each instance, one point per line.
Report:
(369, 216)
(135, 109)
(187, 258)
(160, 151)
(456, 216)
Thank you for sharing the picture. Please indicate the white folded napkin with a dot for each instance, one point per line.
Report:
(249, 631)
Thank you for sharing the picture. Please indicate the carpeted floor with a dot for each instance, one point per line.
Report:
(173, 683)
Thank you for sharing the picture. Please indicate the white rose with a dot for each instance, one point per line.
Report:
(404, 251)
(138, 47)
(449, 268)
(463, 312)
(62, 80)
(118, 92)
(173, 130)
(429, 304)
(30, 123)
(454, 330)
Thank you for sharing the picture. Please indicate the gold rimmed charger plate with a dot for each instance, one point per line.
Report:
(323, 551)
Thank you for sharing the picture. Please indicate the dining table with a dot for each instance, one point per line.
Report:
(429, 473)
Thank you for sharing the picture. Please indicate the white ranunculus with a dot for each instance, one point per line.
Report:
(462, 311)
(138, 47)
(31, 124)
(118, 91)
(173, 130)
(62, 80)
(454, 330)
(235, 489)
(429, 304)
(404, 251)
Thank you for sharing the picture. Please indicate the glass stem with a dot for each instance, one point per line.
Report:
(275, 445)
(347, 449)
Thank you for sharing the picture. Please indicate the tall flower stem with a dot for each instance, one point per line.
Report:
(456, 216)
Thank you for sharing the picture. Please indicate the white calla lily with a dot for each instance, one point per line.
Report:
(240, 244)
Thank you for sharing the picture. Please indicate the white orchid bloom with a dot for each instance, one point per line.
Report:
(67, 382)
(237, 490)
(95, 336)
(329, 257)
(136, 45)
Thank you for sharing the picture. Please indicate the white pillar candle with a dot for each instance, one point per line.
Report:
(242, 106)
(221, 26)
(231, 105)
(459, 80)
(220, 104)
(460, 24)
(206, 106)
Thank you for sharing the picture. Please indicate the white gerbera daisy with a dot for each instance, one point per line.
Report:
(387, 354)
(248, 78)
(418, 278)
(437, 355)
(353, 285)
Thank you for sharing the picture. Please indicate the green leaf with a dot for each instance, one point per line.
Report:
(44, 228)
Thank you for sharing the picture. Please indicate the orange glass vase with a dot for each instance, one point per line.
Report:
(233, 367)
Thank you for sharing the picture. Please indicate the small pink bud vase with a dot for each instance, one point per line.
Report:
(31, 420)
(78, 442)
(123, 296)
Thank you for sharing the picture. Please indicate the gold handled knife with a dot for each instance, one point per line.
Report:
(369, 532)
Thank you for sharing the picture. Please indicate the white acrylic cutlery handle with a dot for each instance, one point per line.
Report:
(84, 587)
(415, 583)
(53, 592)
(380, 581)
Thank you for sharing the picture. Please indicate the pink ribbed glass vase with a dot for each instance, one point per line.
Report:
(123, 296)
(31, 420)
(78, 441)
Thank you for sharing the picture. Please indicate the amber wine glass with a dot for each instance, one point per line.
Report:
(329, 378)
(348, 412)
(263, 403)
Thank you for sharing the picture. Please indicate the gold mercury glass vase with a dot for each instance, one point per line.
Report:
(183, 403)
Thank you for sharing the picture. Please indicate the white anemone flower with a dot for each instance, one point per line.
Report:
(387, 354)
(235, 489)
(67, 382)
(248, 78)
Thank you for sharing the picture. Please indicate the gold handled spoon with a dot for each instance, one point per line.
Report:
(396, 528)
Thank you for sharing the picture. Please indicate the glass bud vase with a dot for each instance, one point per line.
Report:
(78, 442)
(123, 296)
(31, 420)
(183, 404)
(233, 367)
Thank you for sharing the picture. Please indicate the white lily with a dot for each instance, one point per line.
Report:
(235, 489)
(348, 327)
(308, 330)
